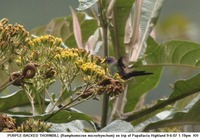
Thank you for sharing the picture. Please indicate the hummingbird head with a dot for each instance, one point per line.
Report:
(109, 60)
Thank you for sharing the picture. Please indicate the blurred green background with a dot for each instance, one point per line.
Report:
(33, 13)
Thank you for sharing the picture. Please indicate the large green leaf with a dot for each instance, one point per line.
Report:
(183, 53)
(60, 117)
(65, 116)
(19, 98)
(121, 12)
(182, 89)
(140, 85)
(149, 16)
(187, 116)
(145, 19)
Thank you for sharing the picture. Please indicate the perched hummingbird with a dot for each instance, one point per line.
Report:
(117, 66)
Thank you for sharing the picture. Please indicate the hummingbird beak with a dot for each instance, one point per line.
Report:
(104, 60)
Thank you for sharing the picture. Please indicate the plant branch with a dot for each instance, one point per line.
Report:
(61, 108)
(67, 105)
(8, 82)
(48, 94)
(80, 101)
(5, 84)
(159, 106)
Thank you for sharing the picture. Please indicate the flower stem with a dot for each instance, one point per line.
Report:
(31, 99)
(103, 22)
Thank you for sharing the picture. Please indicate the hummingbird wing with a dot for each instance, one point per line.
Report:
(123, 72)
(121, 66)
(121, 63)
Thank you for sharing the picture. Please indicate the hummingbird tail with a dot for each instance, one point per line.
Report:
(135, 73)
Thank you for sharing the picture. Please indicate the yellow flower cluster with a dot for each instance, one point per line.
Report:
(80, 60)
(32, 125)
(46, 40)
(40, 50)
(14, 35)
(66, 54)
(92, 69)
(11, 29)
(13, 40)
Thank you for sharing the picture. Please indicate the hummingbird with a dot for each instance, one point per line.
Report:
(117, 66)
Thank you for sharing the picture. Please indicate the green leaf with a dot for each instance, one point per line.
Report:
(144, 19)
(60, 117)
(19, 98)
(149, 16)
(181, 104)
(142, 84)
(121, 12)
(182, 53)
(182, 89)
(65, 116)
(142, 122)
(187, 116)
(4, 79)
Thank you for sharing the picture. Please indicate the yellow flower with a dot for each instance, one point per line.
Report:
(66, 54)
(46, 40)
(79, 62)
(90, 68)
(57, 56)
(3, 21)
(18, 61)
(118, 77)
